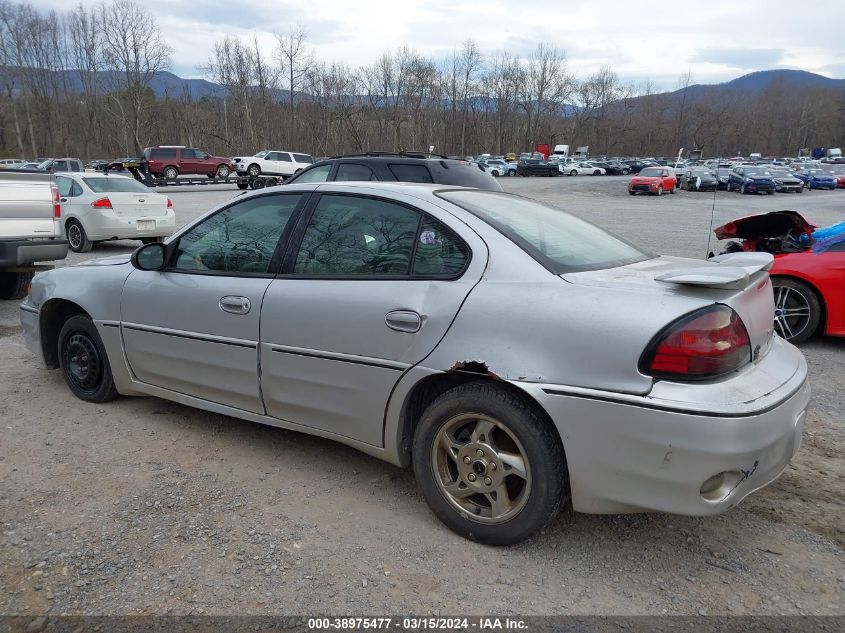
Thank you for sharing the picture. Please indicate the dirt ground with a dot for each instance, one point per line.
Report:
(145, 506)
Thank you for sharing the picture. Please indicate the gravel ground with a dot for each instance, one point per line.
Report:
(145, 506)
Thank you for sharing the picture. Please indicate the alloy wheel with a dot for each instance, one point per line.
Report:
(792, 312)
(74, 235)
(481, 468)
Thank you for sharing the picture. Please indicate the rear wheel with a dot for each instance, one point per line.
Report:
(672, 190)
(490, 466)
(728, 186)
(573, 173)
(257, 183)
(625, 172)
(171, 173)
(84, 362)
(77, 239)
(797, 309)
(14, 285)
(243, 184)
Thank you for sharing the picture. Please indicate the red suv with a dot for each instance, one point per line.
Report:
(169, 161)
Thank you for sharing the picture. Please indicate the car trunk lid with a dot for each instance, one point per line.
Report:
(738, 280)
(138, 205)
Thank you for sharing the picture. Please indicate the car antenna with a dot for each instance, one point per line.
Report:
(708, 252)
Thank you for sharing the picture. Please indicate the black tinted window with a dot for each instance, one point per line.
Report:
(282, 156)
(439, 251)
(312, 174)
(239, 239)
(410, 173)
(358, 236)
(303, 158)
(190, 154)
(164, 152)
(354, 171)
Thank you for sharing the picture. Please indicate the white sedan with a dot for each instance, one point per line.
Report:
(580, 169)
(99, 207)
(272, 163)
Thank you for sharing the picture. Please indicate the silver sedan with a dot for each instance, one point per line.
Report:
(520, 358)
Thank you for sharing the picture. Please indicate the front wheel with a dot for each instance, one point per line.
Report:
(223, 171)
(672, 190)
(490, 466)
(171, 173)
(573, 173)
(243, 184)
(797, 310)
(254, 171)
(625, 172)
(728, 187)
(77, 238)
(742, 189)
(84, 362)
(660, 191)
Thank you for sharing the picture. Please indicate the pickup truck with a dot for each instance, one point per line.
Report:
(30, 228)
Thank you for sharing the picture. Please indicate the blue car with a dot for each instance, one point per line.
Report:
(816, 178)
(751, 179)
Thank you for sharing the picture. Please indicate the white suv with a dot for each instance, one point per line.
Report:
(272, 163)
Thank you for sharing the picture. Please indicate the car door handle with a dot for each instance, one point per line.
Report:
(403, 321)
(62, 199)
(235, 305)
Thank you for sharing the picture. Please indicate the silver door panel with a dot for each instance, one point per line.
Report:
(204, 368)
(346, 397)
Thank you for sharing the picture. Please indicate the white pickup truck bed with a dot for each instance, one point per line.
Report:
(30, 228)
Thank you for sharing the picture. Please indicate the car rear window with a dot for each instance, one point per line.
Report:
(303, 158)
(651, 172)
(108, 184)
(463, 174)
(559, 241)
(167, 152)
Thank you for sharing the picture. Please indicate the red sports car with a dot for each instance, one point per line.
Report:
(808, 275)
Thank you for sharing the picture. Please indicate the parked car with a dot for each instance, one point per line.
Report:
(536, 167)
(809, 287)
(30, 228)
(273, 163)
(403, 167)
(171, 161)
(816, 178)
(751, 179)
(100, 207)
(612, 168)
(636, 166)
(498, 167)
(368, 324)
(585, 168)
(510, 157)
(698, 179)
(98, 164)
(30, 165)
(785, 181)
(10, 163)
(838, 174)
(60, 165)
(653, 180)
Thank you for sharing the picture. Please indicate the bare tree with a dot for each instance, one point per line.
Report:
(135, 52)
(295, 58)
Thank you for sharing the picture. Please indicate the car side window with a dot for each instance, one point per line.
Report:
(76, 165)
(65, 186)
(239, 239)
(354, 171)
(283, 157)
(189, 154)
(410, 173)
(439, 251)
(348, 235)
(315, 174)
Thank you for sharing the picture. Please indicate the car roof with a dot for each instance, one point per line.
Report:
(78, 175)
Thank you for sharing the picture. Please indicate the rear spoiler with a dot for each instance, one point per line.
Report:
(731, 271)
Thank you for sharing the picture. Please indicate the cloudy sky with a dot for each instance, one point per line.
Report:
(715, 40)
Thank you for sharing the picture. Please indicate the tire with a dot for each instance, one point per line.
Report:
(483, 417)
(257, 183)
(728, 186)
(660, 190)
(573, 173)
(798, 310)
(672, 191)
(253, 171)
(801, 190)
(77, 238)
(597, 173)
(243, 185)
(170, 173)
(14, 285)
(742, 189)
(152, 240)
(625, 172)
(633, 193)
(84, 362)
(222, 171)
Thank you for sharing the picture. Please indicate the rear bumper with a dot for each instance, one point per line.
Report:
(24, 252)
(653, 454)
(104, 226)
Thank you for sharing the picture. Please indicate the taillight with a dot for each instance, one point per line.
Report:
(57, 203)
(704, 344)
(169, 203)
(102, 203)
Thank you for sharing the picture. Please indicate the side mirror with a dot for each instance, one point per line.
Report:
(149, 257)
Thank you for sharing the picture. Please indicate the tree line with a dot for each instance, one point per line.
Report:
(78, 83)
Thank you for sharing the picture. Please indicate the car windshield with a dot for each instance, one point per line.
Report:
(108, 184)
(558, 240)
(262, 153)
(651, 172)
(758, 172)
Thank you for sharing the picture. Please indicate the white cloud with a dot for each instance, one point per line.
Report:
(714, 40)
